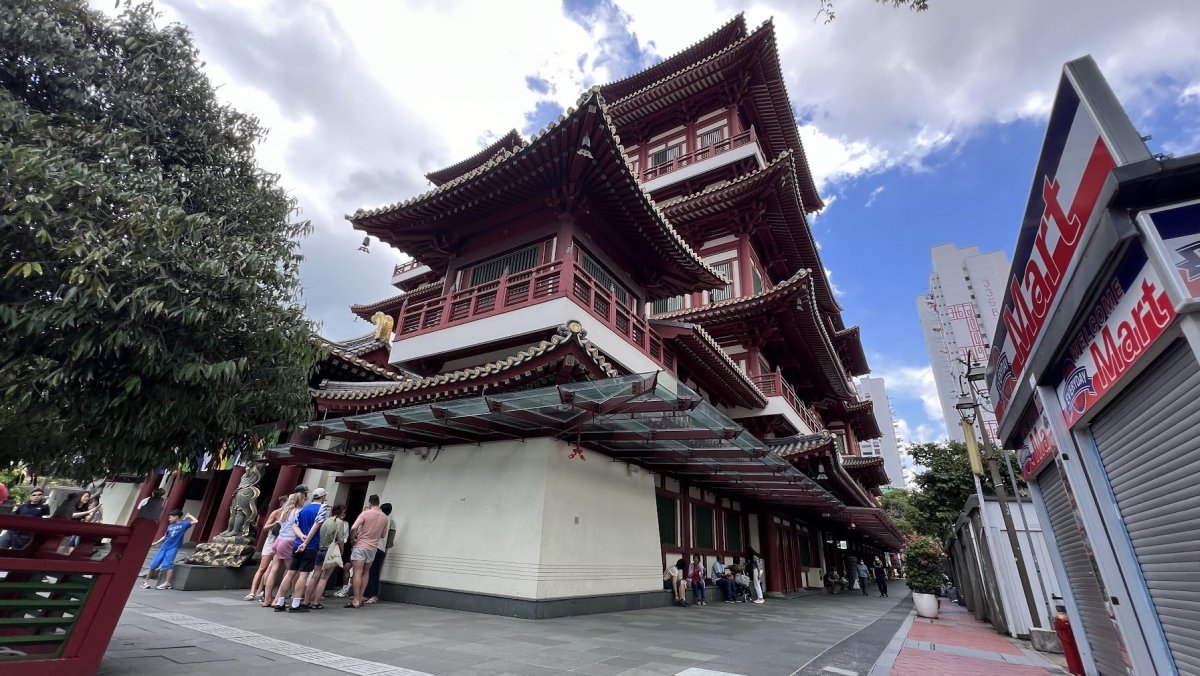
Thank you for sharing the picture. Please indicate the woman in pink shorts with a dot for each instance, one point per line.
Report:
(283, 545)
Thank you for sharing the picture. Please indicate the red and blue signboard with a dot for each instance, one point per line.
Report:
(1178, 227)
(1037, 443)
(1132, 311)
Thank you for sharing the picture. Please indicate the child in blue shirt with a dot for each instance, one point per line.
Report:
(177, 525)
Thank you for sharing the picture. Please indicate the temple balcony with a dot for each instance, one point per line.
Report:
(782, 400)
(525, 303)
(703, 160)
(405, 273)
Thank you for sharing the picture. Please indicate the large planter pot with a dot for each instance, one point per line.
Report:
(926, 604)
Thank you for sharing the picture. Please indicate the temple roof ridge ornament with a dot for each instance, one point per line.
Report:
(393, 303)
(508, 141)
(591, 114)
(776, 117)
(348, 351)
(732, 31)
(566, 333)
(748, 394)
(707, 203)
(787, 287)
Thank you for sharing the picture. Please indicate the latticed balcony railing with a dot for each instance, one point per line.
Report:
(774, 385)
(699, 155)
(405, 267)
(513, 291)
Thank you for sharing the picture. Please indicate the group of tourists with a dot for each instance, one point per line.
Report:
(858, 571)
(307, 542)
(738, 582)
(82, 507)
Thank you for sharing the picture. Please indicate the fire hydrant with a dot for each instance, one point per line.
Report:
(1062, 627)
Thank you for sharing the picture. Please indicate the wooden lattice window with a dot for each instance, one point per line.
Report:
(513, 262)
(668, 518)
(726, 270)
(665, 155)
(668, 304)
(712, 137)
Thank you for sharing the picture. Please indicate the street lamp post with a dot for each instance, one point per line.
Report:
(968, 410)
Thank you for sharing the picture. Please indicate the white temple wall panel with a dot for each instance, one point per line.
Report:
(614, 547)
(469, 518)
(500, 519)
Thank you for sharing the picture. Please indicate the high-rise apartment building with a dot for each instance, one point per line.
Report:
(886, 446)
(959, 314)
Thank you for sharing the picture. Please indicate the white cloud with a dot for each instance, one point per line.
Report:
(837, 291)
(874, 194)
(912, 382)
(363, 98)
(880, 87)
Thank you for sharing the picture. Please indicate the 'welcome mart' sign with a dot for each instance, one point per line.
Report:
(1131, 313)
(1076, 160)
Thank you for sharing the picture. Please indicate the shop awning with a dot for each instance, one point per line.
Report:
(648, 419)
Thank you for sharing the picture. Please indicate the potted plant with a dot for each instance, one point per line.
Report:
(924, 557)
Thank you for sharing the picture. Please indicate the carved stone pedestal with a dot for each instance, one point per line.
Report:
(230, 552)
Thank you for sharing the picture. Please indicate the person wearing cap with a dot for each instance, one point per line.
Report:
(304, 557)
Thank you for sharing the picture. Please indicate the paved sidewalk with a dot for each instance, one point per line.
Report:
(956, 644)
(215, 633)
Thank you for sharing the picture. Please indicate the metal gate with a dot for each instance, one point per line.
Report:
(1101, 635)
(1149, 444)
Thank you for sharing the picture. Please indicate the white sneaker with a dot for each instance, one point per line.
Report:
(146, 584)
(165, 585)
(755, 600)
(341, 593)
(249, 597)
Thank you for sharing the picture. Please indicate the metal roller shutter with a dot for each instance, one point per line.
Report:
(1150, 448)
(1089, 596)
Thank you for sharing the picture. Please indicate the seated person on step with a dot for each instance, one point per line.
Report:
(833, 581)
(723, 578)
(673, 579)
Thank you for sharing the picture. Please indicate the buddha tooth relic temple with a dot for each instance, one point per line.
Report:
(614, 346)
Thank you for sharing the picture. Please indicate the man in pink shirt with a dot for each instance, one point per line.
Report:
(365, 534)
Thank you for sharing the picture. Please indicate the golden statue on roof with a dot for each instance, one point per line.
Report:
(383, 326)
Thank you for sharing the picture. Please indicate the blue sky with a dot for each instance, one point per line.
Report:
(920, 128)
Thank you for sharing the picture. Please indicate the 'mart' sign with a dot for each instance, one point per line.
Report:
(1131, 313)
(1076, 160)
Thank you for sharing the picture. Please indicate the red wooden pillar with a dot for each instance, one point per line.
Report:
(769, 535)
(200, 532)
(289, 477)
(175, 500)
(221, 521)
(144, 492)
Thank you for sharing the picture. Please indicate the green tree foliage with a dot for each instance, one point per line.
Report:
(149, 286)
(900, 506)
(946, 484)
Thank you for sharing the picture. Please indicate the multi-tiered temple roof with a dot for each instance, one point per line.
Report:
(591, 181)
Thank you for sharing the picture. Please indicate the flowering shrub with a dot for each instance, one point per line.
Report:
(924, 556)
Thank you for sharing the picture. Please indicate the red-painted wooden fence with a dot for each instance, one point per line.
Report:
(58, 613)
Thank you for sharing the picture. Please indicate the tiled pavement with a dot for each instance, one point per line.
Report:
(956, 644)
(216, 633)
